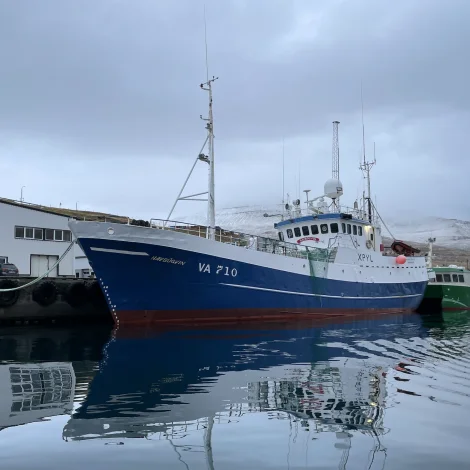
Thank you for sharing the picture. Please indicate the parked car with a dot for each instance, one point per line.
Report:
(8, 269)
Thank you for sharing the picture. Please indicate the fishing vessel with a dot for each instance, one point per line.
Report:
(451, 283)
(327, 259)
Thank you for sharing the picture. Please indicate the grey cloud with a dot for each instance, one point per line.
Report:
(116, 83)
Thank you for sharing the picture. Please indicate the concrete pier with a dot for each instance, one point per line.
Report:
(52, 300)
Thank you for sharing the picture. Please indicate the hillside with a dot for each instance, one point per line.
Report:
(452, 244)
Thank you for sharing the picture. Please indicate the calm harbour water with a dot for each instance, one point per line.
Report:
(389, 392)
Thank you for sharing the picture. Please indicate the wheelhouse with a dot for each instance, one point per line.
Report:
(326, 228)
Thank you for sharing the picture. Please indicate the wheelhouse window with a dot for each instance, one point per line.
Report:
(354, 229)
(455, 278)
(324, 228)
(438, 277)
(446, 277)
(343, 228)
(297, 231)
(334, 228)
(349, 229)
(305, 230)
(314, 229)
(289, 233)
(461, 278)
(359, 230)
(281, 236)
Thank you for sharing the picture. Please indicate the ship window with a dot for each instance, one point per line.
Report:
(461, 278)
(349, 229)
(289, 233)
(305, 230)
(354, 229)
(343, 226)
(455, 278)
(446, 277)
(324, 228)
(439, 277)
(334, 228)
(297, 231)
(372, 236)
(359, 230)
(281, 236)
(314, 229)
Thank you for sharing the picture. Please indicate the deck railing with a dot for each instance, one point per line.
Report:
(247, 241)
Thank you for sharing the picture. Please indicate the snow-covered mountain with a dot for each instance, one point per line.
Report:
(451, 233)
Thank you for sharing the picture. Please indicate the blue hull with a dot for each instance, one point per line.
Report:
(140, 289)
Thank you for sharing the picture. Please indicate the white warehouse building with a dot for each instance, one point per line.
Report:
(34, 237)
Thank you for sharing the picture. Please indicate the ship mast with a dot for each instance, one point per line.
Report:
(366, 166)
(209, 159)
(210, 142)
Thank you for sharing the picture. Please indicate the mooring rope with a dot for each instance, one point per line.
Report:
(34, 281)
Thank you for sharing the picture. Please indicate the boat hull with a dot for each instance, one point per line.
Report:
(151, 280)
(454, 297)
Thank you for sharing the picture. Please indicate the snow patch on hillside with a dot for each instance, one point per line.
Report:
(452, 233)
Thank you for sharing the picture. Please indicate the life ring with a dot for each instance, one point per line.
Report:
(96, 296)
(76, 294)
(45, 293)
(7, 299)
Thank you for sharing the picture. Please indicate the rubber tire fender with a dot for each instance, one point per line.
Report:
(7, 299)
(45, 293)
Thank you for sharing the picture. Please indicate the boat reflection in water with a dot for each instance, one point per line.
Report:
(168, 384)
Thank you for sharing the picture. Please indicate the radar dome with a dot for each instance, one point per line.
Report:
(333, 189)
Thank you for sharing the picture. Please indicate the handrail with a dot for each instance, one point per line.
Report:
(249, 241)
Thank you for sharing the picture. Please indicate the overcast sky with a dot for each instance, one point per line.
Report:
(100, 101)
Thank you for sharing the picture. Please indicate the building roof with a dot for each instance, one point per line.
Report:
(64, 212)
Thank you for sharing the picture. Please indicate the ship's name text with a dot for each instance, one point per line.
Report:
(364, 257)
(168, 260)
(225, 270)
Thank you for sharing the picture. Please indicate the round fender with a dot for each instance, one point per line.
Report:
(76, 294)
(45, 293)
(7, 299)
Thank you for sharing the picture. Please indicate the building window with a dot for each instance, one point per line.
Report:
(289, 233)
(455, 278)
(439, 277)
(324, 228)
(49, 234)
(19, 232)
(38, 234)
(334, 228)
(314, 229)
(461, 278)
(305, 230)
(359, 230)
(297, 231)
(446, 277)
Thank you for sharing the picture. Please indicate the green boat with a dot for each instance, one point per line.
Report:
(451, 283)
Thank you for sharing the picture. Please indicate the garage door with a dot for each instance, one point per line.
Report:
(42, 263)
